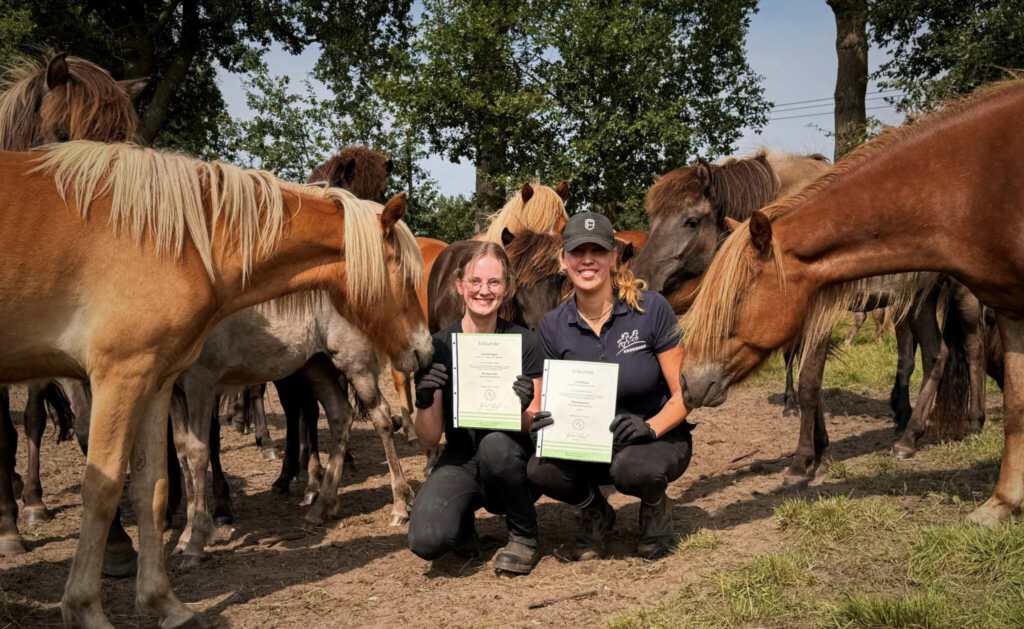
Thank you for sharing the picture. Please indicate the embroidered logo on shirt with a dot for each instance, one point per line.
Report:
(630, 342)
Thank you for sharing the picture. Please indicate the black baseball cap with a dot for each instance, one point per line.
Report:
(588, 227)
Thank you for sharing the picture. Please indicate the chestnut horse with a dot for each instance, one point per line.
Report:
(942, 194)
(43, 102)
(142, 253)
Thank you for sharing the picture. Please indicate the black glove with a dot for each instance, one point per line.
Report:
(541, 420)
(435, 378)
(629, 429)
(523, 386)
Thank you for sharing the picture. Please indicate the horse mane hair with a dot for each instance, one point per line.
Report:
(735, 188)
(98, 108)
(370, 173)
(712, 317)
(166, 196)
(534, 256)
(542, 213)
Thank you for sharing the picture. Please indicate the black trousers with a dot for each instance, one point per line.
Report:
(643, 470)
(493, 478)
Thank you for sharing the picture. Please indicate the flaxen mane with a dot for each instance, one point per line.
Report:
(359, 169)
(712, 317)
(166, 197)
(734, 188)
(534, 256)
(543, 212)
(95, 105)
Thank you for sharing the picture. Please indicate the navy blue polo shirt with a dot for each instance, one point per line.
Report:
(629, 338)
(461, 443)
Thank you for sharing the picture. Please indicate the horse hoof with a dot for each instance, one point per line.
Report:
(790, 412)
(902, 452)
(11, 545)
(308, 499)
(120, 565)
(796, 481)
(991, 514)
(271, 454)
(190, 621)
(190, 561)
(399, 519)
(36, 515)
(315, 517)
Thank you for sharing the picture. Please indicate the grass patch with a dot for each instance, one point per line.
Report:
(837, 518)
(965, 551)
(918, 611)
(701, 539)
(837, 470)
(985, 447)
(758, 589)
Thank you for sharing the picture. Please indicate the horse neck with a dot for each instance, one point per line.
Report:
(308, 256)
(929, 202)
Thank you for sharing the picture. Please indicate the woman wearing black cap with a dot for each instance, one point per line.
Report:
(611, 319)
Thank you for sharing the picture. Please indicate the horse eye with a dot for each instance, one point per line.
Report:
(63, 135)
(691, 222)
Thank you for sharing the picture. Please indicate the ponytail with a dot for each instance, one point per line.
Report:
(628, 286)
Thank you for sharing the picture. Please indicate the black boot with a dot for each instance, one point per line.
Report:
(595, 522)
(519, 556)
(657, 537)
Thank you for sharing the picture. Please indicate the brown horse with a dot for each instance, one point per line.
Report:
(122, 289)
(941, 195)
(359, 169)
(41, 101)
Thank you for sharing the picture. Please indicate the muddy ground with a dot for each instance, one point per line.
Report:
(269, 570)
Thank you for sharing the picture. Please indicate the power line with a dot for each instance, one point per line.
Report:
(826, 113)
(827, 98)
(779, 111)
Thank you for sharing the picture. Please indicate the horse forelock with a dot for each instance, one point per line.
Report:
(542, 213)
(370, 172)
(534, 256)
(735, 188)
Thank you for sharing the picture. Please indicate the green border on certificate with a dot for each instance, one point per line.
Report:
(581, 398)
(486, 366)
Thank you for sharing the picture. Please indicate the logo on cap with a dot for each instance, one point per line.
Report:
(589, 223)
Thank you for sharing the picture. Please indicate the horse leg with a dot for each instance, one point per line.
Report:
(331, 389)
(899, 399)
(10, 539)
(309, 451)
(120, 559)
(222, 514)
(1009, 490)
(974, 341)
(121, 404)
(193, 443)
(813, 439)
(149, 496)
(35, 425)
(403, 386)
(790, 406)
(292, 404)
(174, 488)
(858, 322)
(256, 410)
(906, 446)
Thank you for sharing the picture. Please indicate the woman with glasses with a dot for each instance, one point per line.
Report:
(478, 468)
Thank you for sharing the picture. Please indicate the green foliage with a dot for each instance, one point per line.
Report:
(942, 48)
(15, 28)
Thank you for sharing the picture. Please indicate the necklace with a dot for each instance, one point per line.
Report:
(590, 318)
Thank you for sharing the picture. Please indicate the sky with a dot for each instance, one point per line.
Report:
(791, 43)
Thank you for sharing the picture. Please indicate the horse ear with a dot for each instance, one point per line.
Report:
(703, 173)
(526, 192)
(57, 72)
(562, 189)
(348, 171)
(731, 224)
(761, 233)
(625, 250)
(393, 211)
(133, 87)
(506, 237)
(389, 167)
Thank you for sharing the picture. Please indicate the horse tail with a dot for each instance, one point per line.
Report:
(948, 418)
(59, 408)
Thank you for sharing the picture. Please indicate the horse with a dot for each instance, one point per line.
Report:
(534, 207)
(82, 301)
(44, 101)
(938, 195)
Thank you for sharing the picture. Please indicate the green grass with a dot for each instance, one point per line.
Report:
(985, 447)
(701, 539)
(758, 590)
(837, 518)
(918, 611)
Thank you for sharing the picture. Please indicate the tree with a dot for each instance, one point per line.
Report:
(606, 94)
(15, 27)
(942, 48)
(852, 73)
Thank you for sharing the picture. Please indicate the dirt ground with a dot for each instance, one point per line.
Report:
(269, 570)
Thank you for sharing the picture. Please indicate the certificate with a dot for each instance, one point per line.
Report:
(581, 398)
(486, 366)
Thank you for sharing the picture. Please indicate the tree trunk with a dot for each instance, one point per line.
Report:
(156, 111)
(852, 76)
(488, 197)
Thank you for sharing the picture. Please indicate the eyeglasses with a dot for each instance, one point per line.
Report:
(493, 284)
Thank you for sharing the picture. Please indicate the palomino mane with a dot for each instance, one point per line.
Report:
(541, 213)
(735, 188)
(534, 256)
(98, 107)
(167, 197)
(712, 317)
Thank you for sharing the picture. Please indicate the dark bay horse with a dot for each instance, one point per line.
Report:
(941, 194)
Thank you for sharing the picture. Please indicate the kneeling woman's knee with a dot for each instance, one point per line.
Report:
(636, 476)
(500, 456)
(429, 541)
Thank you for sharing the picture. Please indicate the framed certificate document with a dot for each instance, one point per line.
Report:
(485, 368)
(581, 398)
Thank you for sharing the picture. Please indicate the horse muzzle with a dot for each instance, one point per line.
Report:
(703, 385)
